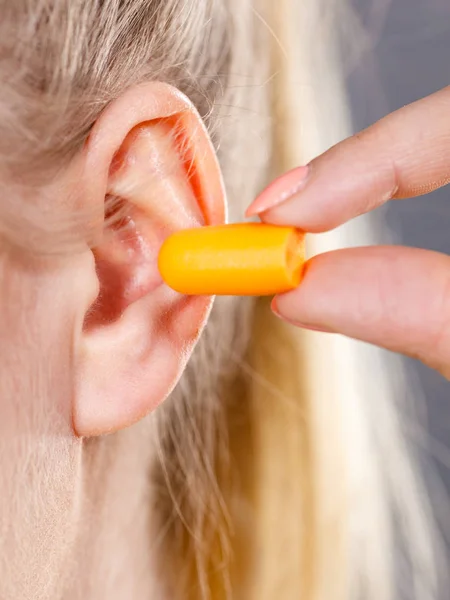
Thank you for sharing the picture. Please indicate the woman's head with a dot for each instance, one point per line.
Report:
(101, 157)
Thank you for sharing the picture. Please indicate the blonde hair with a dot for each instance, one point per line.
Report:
(277, 476)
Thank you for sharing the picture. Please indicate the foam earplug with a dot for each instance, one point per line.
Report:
(246, 259)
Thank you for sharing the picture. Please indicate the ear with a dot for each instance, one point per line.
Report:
(151, 168)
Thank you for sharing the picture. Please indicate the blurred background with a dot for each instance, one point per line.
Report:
(405, 56)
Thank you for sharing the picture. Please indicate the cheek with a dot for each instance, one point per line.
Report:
(40, 468)
(40, 458)
(42, 309)
(36, 371)
(39, 513)
(35, 382)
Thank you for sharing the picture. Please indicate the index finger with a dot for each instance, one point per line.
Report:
(405, 154)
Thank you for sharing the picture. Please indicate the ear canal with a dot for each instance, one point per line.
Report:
(125, 263)
(151, 181)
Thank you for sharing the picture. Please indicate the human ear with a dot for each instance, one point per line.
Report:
(150, 163)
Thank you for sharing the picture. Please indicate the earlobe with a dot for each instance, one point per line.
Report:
(159, 177)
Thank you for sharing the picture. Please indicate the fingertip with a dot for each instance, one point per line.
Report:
(389, 296)
(279, 191)
(274, 307)
(298, 323)
(278, 312)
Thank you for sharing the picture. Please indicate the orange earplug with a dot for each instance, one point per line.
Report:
(246, 259)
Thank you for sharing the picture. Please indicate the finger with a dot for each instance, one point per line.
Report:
(405, 154)
(397, 298)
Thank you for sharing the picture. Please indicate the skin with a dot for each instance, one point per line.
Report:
(397, 298)
(91, 341)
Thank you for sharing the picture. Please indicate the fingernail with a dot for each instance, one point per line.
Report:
(281, 190)
(307, 326)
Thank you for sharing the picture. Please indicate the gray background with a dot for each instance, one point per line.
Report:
(408, 58)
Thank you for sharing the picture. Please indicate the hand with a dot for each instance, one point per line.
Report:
(394, 297)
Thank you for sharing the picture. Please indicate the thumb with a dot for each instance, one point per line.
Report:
(396, 298)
